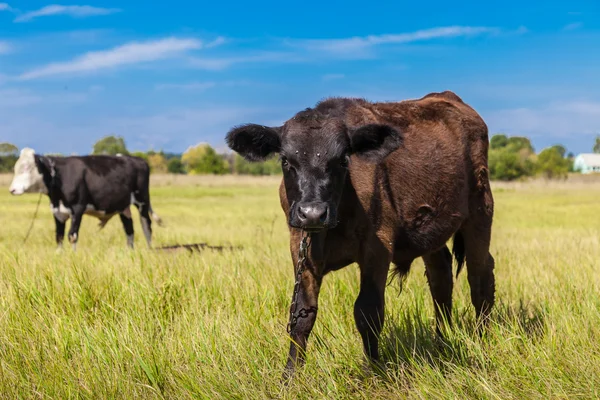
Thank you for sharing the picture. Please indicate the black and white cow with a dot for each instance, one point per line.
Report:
(97, 185)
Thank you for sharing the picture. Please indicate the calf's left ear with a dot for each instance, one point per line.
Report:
(374, 142)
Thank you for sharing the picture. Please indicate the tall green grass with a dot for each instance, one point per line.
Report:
(106, 322)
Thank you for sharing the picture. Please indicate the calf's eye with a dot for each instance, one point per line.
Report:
(284, 162)
(345, 161)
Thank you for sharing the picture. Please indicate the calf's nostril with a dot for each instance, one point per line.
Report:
(302, 211)
(323, 216)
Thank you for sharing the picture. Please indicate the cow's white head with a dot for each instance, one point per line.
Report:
(28, 178)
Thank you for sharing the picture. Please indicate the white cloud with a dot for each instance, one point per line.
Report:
(212, 64)
(202, 86)
(520, 30)
(192, 86)
(358, 43)
(573, 26)
(79, 37)
(18, 98)
(73, 11)
(215, 64)
(557, 120)
(331, 77)
(306, 50)
(5, 7)
(217, 42)
(584, 108)
(188, 125)
(127, 54)
(5, 47)
(12, 98)
(172, 130)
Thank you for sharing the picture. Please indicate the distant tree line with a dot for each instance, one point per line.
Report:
(510, 158)
(8, 156)
(198, 159)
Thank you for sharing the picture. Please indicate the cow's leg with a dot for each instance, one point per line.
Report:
(60, 232)
(146, 222)
(369, 308)
(127, 225)
(480, 264)
(307, 304)
(76, 216)
(438, 268)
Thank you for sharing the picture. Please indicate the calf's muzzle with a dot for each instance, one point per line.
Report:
(311, 216)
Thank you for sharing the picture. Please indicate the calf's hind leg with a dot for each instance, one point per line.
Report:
(143, 205)
(480, 267)
(146, 223)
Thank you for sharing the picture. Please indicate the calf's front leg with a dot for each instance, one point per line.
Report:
(306, 312)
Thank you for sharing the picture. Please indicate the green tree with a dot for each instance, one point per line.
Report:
(270, 166)
(9, 153)
(597, 145)
(571, 158)
(110, 145)
(203, 159)
(140, 154)
(511, 158)
(498, 141)
(8, 149)
(157, 162)
(551, 164)
(517, 143)
(506, 165)
(562, 150)
(175, 166)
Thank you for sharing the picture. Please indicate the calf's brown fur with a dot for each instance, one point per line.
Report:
(382, 183)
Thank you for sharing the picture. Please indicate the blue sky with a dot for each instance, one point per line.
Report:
(172, 74)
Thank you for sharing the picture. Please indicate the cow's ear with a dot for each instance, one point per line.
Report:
(42, 164)
(374, 142)
(254, 142)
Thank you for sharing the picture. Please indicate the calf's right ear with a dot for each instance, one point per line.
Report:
(374, 142)
(254, 142)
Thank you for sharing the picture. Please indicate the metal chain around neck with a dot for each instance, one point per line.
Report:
(37, 207)
(302, 255)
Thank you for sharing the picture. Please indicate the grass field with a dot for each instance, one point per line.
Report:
(106, 322)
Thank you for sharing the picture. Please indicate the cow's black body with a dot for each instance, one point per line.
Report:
(97, 185)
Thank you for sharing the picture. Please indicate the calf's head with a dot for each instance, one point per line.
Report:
(28, 174)
(315, 153)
